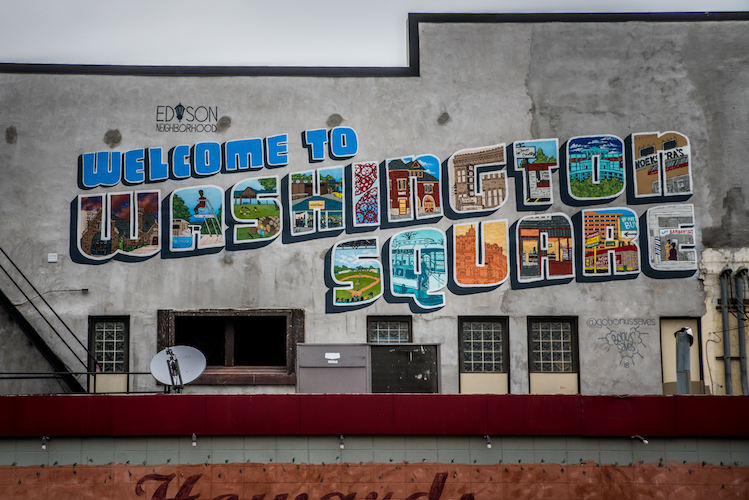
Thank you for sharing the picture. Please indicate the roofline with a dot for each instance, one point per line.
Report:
(411, 70)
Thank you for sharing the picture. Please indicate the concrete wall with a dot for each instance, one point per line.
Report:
(480, 84)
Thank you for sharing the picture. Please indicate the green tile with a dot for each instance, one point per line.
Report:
(356, 455)
(421, 443)
(233, 456)
(7, 445)
(98, 457)
(516, 443)
(717, 445)
(716, 457)
(325, 442)
(616, 457)
(583, 443)
(63, 457)
(292, 456)
(8, 457)
(324, 456)
(165, 457)
(24, 458)
(359, 443)
(742, 457)
(389, 456)
(98, 444)
(615, 444)
(550, 456)
(575, 456)
(262, 456)
(194, 457)
(202, 443)
(549, 443)
(485, 456)
(681, 444)
(130, 443)
(228, 442)
(389, 443)
(133, 457)
(517, 456)
(650, 457)
(454, 456)
(164, 443)
(260, 442)
(453, 443)
(681, 456)
(292, 443)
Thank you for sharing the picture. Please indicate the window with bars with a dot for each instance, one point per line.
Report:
(483, 345)
(109, 344)
(553, 345)
(388, 329)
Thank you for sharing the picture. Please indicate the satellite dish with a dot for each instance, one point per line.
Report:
(177, 366)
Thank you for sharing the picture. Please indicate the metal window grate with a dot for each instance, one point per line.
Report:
(109, 345)
(482, 346)
(551, 344)
(389, 331)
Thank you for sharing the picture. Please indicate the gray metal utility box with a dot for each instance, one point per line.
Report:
(333, 368)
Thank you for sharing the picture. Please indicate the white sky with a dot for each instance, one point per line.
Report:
(255, 33)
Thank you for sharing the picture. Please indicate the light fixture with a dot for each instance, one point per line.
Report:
(637, 436)
(194, 439)
(488, 442)
(341, 441)
(180, 109)
(44, 442)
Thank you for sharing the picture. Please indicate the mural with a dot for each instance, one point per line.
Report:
(317, 191)
(671, 238)
(480, 253)
(471, 190)
(536, 160)
(109, 224)
(661, 164)
(545, 247)
(356, 265)
(366, 194)
(595, 167)
(610, 237)
(255, 203)
(414, 180)
(417, 266)
(196, 218)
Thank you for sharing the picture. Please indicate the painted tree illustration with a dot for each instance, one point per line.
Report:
(268, 183)
(179, 208)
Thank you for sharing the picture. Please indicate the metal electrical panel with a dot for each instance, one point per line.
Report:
(333, 368)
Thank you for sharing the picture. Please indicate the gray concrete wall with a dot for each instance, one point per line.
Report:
(495, 83)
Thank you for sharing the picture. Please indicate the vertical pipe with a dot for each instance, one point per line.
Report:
(742, 341)
(724, 274)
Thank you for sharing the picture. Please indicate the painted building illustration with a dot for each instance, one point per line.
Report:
(401, 193)
(595, 166)
(492, 190)
(572, 325)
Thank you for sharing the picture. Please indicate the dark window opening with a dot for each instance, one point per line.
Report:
(242, 347)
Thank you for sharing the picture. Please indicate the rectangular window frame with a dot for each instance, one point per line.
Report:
(504, 321)
(92, 321)
(407, 319)
(574, 341)
(240, 375)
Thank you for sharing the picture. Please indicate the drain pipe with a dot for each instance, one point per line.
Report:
(739, 276)
(724, 274)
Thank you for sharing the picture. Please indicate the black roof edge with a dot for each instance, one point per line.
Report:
(346, 71)
(40, 344)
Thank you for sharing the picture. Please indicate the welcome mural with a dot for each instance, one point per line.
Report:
(419, 262)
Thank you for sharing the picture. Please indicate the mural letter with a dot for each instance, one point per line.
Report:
(109, 224)
(366, 194)
(414, 181)
(417, 266)
(100, 169)
(610, 242)
(661, 159)
(244, 154)
(195, 218)
(355, 264)
(671, 238)
(471, 191)
(256, 207)
(318, 191)
(480, 252)
(595, 167)
(536, 160)
(545, 248)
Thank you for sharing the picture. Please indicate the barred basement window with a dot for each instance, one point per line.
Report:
(553, 345)
(388, 329)
(483, 344)
(108, 340)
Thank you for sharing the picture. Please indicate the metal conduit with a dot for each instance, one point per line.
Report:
(724, 274)
(739, 277)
